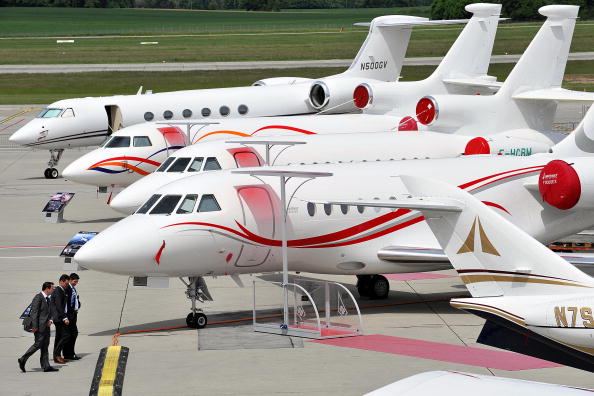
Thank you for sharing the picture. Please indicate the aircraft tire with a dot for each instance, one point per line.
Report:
(380, 287)
(364, 285)
(196, 320)
(53, 173)
(46, 173)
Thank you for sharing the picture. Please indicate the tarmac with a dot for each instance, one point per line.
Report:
(221, 359)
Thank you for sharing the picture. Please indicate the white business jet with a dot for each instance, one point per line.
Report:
(87, 121)
(516, 283)
(311, 149)
(227, 223)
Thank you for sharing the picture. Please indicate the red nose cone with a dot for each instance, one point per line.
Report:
(361, 96)
(426, 111)
(559, 185)
(408, 124)
(478, 145)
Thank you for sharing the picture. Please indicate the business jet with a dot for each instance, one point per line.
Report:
(529, 95)
(311, 149)
(87, 121)
(516, 283)
(227, 222)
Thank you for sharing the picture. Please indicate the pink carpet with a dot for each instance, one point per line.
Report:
(416, 276)
(501, 360)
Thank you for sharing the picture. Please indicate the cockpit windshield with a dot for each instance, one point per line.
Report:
(148, 204)
(166, 205)
(50, 113)
(118, 141)
(165, 164)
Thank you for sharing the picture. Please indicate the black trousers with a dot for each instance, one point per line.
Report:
(72, 334)
(62, 336)
(42, 340)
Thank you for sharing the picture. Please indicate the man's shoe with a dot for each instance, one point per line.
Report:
(72, 357)
(50, 369)
(22, 365)
(59, 359)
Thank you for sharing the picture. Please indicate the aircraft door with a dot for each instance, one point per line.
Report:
(260, 210)
(114, 118)
(174, 139)
(246, 157)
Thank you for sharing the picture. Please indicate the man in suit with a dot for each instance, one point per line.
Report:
(73, 307)
(41, 320)
(60, 298)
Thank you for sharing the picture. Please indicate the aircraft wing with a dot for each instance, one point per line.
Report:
(560, 94)
(474, 82)
(413, 203)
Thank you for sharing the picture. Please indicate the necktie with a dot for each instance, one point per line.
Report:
(47, 299)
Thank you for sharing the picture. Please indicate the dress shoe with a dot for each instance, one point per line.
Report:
(22, 365)
(50, 369)
(59, 359)
(75, 357)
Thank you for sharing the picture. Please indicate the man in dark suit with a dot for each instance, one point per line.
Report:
(73, 307)
(59, 300)
(41, 320)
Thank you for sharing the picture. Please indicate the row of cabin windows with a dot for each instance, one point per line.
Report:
(195, 164)
(205, 112)
(124, 141)
(168, 203)
(311, 208)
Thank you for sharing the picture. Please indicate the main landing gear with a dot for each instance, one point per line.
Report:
(196, 290)
(373, 286)
(51, 172)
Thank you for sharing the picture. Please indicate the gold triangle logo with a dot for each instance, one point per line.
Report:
(486, 245)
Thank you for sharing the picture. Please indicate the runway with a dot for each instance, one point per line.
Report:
(413, 331)
(192, 66)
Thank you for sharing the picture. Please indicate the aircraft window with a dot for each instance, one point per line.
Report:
(196, 164)
(360, 209)
(205, 112)
(148, 116)
(344, 209)
(327, 209)
(211, 164)
(187, 205)
(165, 164)
(242, 109)
(187, 113)
(148, 204)
(179, 165)
(142, 141)
(119, 141)
(311, 208)
(49, 113)
(224, 110)
(208, 203)
(167, 114)
(107, 139)
(166, 205)
(68, 113)
(377, 209)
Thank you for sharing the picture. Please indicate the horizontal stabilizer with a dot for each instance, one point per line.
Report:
(558, 94)
(412, 21)
(474, 82)
(425, 203)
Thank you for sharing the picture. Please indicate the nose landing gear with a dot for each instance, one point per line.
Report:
(51, 172)
(196, 290)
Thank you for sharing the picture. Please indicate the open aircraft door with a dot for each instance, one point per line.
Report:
(261, 209)
(114, 118)
(174, 138)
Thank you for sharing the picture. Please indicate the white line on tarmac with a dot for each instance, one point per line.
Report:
(26, 257)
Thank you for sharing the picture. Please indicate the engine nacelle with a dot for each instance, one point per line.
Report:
(451, 111)
(568, 185)
(334, 95)
(267, 82)
(516, 142)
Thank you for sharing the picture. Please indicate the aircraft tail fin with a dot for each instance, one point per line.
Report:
(492, 256)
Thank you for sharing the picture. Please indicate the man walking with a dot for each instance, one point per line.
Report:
(41, 320)
(60, 299)
(73, 307)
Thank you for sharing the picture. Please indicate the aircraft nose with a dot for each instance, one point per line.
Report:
(130, 198)
(78, 171)
(25, 135)
(128, 247)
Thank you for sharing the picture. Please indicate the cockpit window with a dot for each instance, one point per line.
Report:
(118, 141)
(179, 165)
(166, 204)
(187, 205)
(196, 164)
(148, 204)
(68, 113)
(104, 142)
(142, 141)
(50, 113)
(211, 164)
(208, 203)
(165, 164)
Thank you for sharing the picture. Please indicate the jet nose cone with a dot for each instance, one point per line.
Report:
(84, 171)
(128, 247)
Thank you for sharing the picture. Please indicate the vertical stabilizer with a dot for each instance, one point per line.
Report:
(493, 256)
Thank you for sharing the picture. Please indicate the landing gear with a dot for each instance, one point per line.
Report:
(373, 286)
(196, 290)
(51, 172)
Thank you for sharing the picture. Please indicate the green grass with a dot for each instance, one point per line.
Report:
(47, 88)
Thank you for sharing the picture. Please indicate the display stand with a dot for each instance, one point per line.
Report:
(53, 211)
(75, 243)
(54, 217)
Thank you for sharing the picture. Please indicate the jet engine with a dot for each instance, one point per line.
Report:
(334, 95)
(568, 185)
(516, 142)
(267, 82)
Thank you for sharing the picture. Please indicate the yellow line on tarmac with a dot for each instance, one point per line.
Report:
(110, 366)
(20, 113)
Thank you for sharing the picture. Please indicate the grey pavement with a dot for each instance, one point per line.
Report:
(189, 66)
